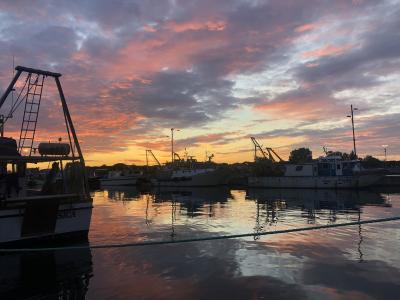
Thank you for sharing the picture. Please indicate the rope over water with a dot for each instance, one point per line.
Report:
(199, 239)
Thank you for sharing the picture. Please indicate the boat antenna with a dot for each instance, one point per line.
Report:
(13, 89)
(325, 148)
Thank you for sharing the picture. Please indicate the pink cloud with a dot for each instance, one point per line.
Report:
(196, 25)
(306, 27)
(328, 50)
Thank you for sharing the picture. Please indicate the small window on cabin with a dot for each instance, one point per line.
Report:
(325, 166)
(338, 167)
(299, 168)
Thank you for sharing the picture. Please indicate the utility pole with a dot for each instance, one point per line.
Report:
(172, 145)
(352, 125)
(385, 150)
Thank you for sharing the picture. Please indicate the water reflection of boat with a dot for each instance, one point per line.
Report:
(122, 193)
(62, 274)
(199, 194)
(317, 199)
(193, 199)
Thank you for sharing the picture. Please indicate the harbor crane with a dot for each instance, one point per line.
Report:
(268, 154)
(151, 154)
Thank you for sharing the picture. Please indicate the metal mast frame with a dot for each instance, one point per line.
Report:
(68, 120)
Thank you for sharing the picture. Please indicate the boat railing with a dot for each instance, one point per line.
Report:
(61, 198)
(36, 159)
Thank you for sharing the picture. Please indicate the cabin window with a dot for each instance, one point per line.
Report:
(338, 167)
(325, 166)
(299, 168)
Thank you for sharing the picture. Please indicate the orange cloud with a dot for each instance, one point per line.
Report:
(328, 50)
(301, 108)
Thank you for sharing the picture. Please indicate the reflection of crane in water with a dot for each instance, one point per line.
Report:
(173, 218)
(270, 209)
(258, 227)
(148, 199)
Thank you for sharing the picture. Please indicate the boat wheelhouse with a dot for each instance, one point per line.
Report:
(62, 206)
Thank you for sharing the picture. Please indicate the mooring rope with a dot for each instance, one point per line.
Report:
(199, 239)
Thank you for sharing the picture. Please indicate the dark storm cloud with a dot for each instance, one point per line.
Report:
(177, 98)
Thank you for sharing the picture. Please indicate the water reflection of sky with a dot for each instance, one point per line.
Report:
(211, 211)
(352, 262)
(348, 262)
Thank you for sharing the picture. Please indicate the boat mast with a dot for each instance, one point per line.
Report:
(352, 125)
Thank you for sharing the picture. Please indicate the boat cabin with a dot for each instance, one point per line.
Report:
(324, 166)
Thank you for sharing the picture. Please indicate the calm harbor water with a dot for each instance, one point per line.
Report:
(359, 262)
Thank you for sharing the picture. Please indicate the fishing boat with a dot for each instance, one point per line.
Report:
(62, 207)
(190, 173)
(330, 172)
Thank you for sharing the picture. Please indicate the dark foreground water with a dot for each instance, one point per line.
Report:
(356, 262)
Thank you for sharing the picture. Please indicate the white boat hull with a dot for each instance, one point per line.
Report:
(71, 219)
(315, 182)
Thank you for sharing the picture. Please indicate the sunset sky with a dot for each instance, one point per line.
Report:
(285, 72)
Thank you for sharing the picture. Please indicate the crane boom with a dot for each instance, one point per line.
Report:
(269, 154)
(148, 151)
(257, 146)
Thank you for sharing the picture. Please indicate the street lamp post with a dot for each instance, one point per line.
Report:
(352, 125)
(172, 143)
